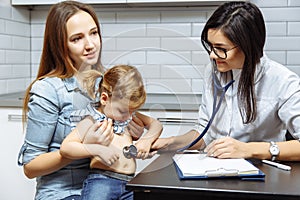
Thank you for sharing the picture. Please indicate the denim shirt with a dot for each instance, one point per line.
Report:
(50, 104)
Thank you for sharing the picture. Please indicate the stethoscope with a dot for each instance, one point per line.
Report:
(131, 151)
(216, 106)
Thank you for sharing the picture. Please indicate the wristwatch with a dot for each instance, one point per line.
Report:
(274, 150)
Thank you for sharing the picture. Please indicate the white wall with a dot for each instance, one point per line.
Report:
(163, 42)
(14, 48)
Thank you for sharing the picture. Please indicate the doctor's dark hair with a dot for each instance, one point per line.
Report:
(243, 24)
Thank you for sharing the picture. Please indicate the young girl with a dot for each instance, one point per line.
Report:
(121, 93)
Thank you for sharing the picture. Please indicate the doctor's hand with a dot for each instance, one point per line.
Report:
(227, 147)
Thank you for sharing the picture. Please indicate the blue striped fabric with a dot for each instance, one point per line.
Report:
(78, 115)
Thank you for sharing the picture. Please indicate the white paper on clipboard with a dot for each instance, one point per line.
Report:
(201, 165)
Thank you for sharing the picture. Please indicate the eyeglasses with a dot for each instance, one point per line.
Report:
(220, 52)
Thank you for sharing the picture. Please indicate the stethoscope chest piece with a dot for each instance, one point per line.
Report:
(130, 151)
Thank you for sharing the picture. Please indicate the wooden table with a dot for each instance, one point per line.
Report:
(159, 181)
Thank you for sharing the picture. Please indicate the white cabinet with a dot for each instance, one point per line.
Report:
(104, 1)
(174, 122)
(14, 184)
(50, 2)
(178, 2)
(33, 2)
(128, 2)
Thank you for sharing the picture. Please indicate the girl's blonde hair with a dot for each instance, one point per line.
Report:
(119, 82)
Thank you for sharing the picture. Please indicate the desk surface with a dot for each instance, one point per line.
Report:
(159, 180)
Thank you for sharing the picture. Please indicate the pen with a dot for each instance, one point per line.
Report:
(278, 165)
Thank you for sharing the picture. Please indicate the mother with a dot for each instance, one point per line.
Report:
(72, 44)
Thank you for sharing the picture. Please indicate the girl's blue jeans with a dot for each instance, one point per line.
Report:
(98, 186)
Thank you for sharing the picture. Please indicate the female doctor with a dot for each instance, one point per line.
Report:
(249, 101)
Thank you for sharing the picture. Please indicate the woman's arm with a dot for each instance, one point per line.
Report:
(289, 150)
(50, 162)
(174, 143)
(40, 129)
(45, 164)
(228, 147)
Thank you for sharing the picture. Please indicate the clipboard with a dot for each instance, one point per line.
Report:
(198, 166)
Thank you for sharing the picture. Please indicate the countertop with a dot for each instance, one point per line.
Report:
(155, 101)
(14, 100)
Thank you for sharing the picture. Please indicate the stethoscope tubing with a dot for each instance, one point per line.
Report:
(217, 87)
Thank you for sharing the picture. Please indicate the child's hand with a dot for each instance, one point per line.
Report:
(143, 146)
(108, 155)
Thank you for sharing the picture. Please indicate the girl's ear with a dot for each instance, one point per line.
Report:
(104, 98)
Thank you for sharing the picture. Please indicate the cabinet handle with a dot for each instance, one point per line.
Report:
(177, 120)
(14, 118)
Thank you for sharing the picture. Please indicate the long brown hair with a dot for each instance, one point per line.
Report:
(243, 24)
(55, 59)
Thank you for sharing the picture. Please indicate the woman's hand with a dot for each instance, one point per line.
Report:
(136, 127)
(99, 133)
(163, 144)
(227, 147)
